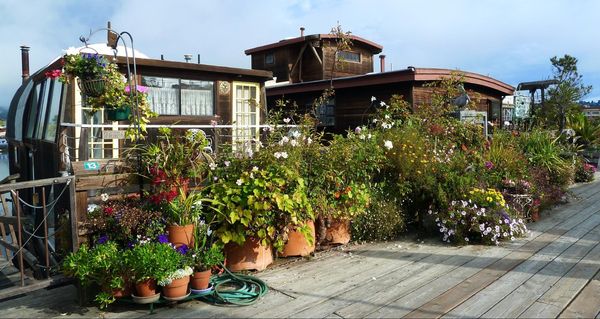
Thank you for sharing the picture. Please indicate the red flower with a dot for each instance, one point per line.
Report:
(109, 210)
(53, 74)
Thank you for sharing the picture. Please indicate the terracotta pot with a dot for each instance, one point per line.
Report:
(201, 279)
(123, 292)
(251, 256)
(535, 214)
(338, 231)
(177, 288)
(179, 235)
(146, 288)
(297, 245)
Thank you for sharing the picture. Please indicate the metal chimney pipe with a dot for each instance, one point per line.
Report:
(24, 62)
(382, 62)
(187, 57)
(198, 58)
(302, 31)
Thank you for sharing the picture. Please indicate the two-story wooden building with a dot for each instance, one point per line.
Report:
(306, 65)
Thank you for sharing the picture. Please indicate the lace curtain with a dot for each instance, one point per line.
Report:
(165, 101)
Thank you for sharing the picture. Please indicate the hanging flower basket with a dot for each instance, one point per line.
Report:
(118, 113)
(92, 87)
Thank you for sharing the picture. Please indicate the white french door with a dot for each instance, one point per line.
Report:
(246, 113)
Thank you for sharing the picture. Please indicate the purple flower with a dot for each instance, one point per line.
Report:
(103, 239)
(163, 239)
(183, 249)
(130, 245)
(489, 165)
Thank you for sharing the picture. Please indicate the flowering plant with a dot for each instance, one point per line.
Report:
(153, 260)
(84, 66)
(465, 222)
(101, 264)
(490, 198)
(175, 160)
(584, 172)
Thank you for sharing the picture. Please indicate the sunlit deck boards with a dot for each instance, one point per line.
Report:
(554, 272)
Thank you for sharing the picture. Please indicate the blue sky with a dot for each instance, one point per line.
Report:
(510, 40)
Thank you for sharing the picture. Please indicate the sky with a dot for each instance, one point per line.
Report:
(509, 40)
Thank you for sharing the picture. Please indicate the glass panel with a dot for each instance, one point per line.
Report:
(197, 97)
(32, 104)
(53, 108)
(39, 130)
(163, 94)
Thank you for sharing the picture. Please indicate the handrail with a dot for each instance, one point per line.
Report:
(36, 183)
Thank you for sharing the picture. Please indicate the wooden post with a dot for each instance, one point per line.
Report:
(19, 230)
(73, 215)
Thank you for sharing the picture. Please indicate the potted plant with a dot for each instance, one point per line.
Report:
(151, 262)
(104, 88)
(175, 280)
(92, 70)
(257, 205)
(102, 265)
(204, 256)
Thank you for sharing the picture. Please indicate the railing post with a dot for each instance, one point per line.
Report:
(73, 215)
(19, 226)
(47, 251)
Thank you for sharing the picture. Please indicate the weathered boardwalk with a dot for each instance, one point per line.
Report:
(555, 272)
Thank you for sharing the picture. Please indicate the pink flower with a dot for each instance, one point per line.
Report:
(489, 165)
(53, 74)
(140, 88)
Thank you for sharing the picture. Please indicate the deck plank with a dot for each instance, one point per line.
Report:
(521, 298)
(547, 231)
(489, 296)
(586, 304)
(566, 289)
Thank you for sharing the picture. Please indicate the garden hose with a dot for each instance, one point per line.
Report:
(232, 289)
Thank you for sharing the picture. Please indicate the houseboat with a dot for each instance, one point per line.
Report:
(305, 66)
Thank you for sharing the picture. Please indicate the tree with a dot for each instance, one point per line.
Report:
(564, 96)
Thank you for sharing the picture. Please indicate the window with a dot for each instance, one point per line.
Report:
(53, 108)
(98, 147)
(32, 104)
(172, 96)
(326, 113)
(348, 56)
(269, 58)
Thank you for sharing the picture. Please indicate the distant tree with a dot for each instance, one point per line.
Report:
(564, 96)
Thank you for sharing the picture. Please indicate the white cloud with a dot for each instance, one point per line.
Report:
(510, 40)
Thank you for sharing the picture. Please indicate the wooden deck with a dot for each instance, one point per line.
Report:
(552, 273)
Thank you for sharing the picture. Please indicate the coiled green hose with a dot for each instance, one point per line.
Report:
(232, 289)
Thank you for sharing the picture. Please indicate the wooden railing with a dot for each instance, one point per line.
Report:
(30, 251)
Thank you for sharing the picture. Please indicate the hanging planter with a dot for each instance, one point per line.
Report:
(92, 87)
(118, 113)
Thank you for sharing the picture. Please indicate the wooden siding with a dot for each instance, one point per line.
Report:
(346, 68)
(280, 66)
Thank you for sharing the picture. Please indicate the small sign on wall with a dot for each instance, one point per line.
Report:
(111, 135)
(91, 166)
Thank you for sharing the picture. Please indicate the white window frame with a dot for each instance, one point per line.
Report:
(242, 110)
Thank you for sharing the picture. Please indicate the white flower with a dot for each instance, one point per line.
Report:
(213, 123)
(286, 120)
(239, 182)
(284, 154)
(284, 140)
(227, 163)
(369, 135)
(104, 197)
(383, 104)
(386, 125)
(467, 239)
(91, 208)
(374, 120)
(309, 141)
(357, 130)
(255, 169)
(388, 144)
(212, 166)
(296, 134)
(387, 116)
(362, 136)
(215, 178)
(373, 99)
(294, 143)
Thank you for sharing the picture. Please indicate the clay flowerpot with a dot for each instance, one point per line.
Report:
(177, 288)
(297, 245)
(123, 292)
(201, 279)
(146, 288)
(535, 214)
(180, 235)
(338, 231)
(251, 256)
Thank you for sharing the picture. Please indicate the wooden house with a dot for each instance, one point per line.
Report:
(355, 84)
(48, 120)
